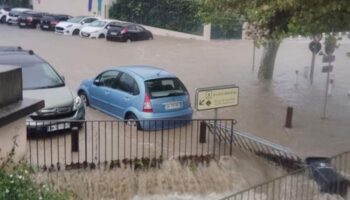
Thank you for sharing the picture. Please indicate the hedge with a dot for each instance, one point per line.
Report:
(178, 15)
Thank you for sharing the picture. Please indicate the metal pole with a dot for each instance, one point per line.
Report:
(326, 94)
(312, 67)
(253, 67)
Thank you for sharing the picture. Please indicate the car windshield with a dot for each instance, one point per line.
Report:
(75, 19)
(40, 75)
(167, 87)
(98, 24)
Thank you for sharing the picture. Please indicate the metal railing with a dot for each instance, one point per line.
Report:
(58, 146)
(325, 179)
(278, 154)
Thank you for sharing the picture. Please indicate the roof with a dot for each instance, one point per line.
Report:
(145, 72)
(18, 58)
(20, 9)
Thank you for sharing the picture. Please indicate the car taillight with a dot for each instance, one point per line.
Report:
(125, 30)
(30, 19)
(147, 106)
(53, 22)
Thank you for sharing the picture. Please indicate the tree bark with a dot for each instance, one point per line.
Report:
(268, 60)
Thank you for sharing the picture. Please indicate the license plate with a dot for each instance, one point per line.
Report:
(113, 33)
(173, 105)
(22, 24)
(57, 127)
(46, 26)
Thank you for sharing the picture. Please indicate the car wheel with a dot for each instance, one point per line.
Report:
(131, 120)
(3, 19)
(101, 36)
(76, 32)
(84, 98)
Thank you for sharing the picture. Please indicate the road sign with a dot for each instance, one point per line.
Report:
(328, 58)
(315, 47)
(217, 97)
(326, 69)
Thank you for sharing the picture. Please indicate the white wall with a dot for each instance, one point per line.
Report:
(71, 7)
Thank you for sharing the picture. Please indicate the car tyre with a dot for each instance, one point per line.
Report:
(101, 36)
(131, 120)
(76, 32)
(3, 19)
(84, 98)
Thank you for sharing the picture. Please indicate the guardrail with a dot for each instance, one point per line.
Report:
(57, 146)
(322, 179)
(278, 154)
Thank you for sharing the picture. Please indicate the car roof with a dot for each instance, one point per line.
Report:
(20, 9)
(145, 72)
(18, 57)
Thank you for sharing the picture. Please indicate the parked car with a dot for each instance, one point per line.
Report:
(30, 19)
(12, 16)
(73, 25)
(128, 32)
(41, 81)
(49, 22)
(141, 95)
(4, 11)
(98, 29)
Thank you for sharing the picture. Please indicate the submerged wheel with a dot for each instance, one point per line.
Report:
(84, 98)
(131, 120)
(76, 32)
(101, 36)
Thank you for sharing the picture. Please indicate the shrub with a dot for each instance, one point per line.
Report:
(178, 15)
(16, 3)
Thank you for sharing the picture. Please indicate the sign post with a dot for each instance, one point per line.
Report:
(213, 98)
(315, 47)
(327, 69)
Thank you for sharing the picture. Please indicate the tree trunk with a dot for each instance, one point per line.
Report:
(268, 60)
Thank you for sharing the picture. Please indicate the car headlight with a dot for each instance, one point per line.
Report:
(69, 26)
(77, 103)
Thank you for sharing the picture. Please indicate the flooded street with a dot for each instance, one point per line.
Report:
(199, 64)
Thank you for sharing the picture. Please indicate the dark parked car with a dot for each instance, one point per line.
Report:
(30, 19)
(49, 22)
(128, 32)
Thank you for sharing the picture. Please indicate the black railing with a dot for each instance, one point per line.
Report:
(321, 179)
(278, 154)
(63, 145)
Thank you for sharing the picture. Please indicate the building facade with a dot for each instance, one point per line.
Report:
(74, 7)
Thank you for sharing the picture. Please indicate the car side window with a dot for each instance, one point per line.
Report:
(139, 28)
(89, 20)
(127, 84)
(132, 28)
(108, 79)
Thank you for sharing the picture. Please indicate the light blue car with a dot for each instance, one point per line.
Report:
(146, 96)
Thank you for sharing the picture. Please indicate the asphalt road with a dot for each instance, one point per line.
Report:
(262, 106)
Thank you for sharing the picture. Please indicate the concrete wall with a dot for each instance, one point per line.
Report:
(71, 7)
(8, 132)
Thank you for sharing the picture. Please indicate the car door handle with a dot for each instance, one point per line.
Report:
(126, 98)
(107, 92)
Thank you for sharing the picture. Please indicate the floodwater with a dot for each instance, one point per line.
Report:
(262, 105)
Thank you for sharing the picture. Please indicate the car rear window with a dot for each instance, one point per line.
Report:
(166, 87)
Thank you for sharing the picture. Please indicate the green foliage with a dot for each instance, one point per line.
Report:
(16, 3)
(16, 182)
(276, 19)
(179, 15)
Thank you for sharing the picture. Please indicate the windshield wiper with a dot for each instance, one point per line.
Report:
(171, 94)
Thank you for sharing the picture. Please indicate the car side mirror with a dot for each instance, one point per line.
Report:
(108, 27)
(82, 23)
(97, 82)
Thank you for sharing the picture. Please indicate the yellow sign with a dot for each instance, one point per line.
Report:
(217, 97)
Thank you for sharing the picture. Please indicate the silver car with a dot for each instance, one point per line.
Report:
(41, 81)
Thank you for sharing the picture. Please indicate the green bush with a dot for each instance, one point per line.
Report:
(16, 3)
(178, 15)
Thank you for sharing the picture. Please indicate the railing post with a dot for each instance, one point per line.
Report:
(202, 132)
(162, 143)
(75, 139)
(231, 138)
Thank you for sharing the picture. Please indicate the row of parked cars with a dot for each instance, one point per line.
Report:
(85, 26)
(143, 96)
